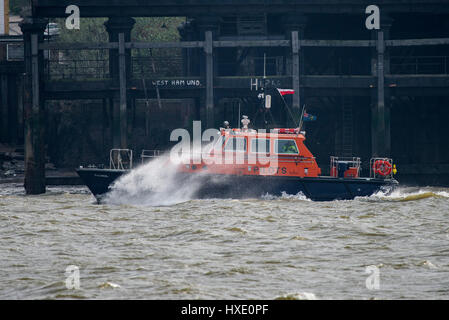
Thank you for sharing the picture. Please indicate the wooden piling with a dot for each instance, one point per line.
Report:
(116, 130)
(295, 71)
(33, 102)
(380, 94)
(209, 79)
(123, 100)
(119, 30)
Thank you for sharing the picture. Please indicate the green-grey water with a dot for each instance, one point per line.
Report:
(267, 248)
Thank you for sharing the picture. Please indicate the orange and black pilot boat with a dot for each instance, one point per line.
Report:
(244, 163)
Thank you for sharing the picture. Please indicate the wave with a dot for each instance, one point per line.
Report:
(408, 194)
(298, 296)
(285, 196)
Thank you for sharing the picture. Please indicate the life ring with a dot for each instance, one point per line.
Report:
(382, 167)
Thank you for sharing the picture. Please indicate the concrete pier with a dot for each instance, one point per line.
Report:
(368, 88)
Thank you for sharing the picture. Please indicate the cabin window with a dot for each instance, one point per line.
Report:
(260, 146)
(286, 147)
(236, 144)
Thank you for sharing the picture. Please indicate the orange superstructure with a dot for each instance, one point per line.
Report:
(281, 152)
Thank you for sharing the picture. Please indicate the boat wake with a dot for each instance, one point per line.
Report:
(156, 183)
(285, 196)
(408, 194)
(159, 183)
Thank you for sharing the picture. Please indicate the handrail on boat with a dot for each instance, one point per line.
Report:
(353, 163)
(120, 159)
(149, 154)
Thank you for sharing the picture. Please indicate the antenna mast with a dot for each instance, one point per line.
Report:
(302, 117)
(265, 65)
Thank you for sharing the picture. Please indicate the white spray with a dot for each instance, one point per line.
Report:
(156, 183)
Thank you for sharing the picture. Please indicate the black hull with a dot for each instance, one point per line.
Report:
(217, 186)
(99, 180)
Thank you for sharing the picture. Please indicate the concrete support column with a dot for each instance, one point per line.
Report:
(34, 109)
(119, 30)
(209, 80)
(209, 27)
(380, 111)
(294, 26)
(380, 108)
(386, 23)
(123, 96)
(295, 71)
(115, 26)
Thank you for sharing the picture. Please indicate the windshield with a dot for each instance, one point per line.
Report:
(236, 145)
(286, 147)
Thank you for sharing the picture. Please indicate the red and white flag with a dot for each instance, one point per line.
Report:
(284, 92)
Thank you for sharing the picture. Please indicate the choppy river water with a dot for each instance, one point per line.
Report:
(268, 248)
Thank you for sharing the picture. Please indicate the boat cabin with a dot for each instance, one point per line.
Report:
(281, 152)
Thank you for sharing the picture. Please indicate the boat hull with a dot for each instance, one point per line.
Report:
(245, 186)
(99, 180)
